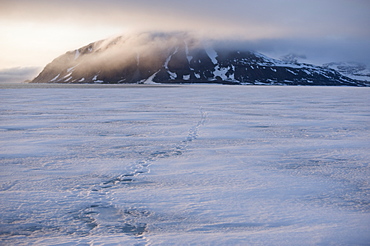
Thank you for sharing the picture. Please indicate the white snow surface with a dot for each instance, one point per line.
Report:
(68, 75)
(70, 70)
(150, 79)
(68, 79)
(212, 54)
(55, 78)
(169, 58)
(184, 165)
(222, 71)
(172, 74)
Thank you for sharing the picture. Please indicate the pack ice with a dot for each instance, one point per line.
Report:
(185, 165)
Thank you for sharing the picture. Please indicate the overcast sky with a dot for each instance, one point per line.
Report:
(33, 32)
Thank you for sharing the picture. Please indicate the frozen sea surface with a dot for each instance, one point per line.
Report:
(184, 165)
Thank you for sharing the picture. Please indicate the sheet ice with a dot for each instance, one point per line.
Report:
(192, 165)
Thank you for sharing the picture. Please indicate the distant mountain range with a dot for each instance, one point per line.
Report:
(354, 70)
(181, 58)
(18, 74)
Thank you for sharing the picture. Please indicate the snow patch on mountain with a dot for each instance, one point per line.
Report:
(169, 58)
(150, 79)
(68, 75)
(55, 78)
(212, 54)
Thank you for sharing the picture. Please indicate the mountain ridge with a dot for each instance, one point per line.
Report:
(180, 58)
(354, 70)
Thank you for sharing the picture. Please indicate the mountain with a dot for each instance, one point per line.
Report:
(354, 70)
(180, 58)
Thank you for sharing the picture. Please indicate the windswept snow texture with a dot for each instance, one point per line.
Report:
(196, 165)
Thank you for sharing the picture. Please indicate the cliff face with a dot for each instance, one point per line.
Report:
(180, 58)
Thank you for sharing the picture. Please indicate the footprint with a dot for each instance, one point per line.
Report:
(110, 219)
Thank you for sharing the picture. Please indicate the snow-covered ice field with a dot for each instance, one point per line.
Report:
(184, 165)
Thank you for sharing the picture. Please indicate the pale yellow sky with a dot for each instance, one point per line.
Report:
(33, 32)
(36, 44)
